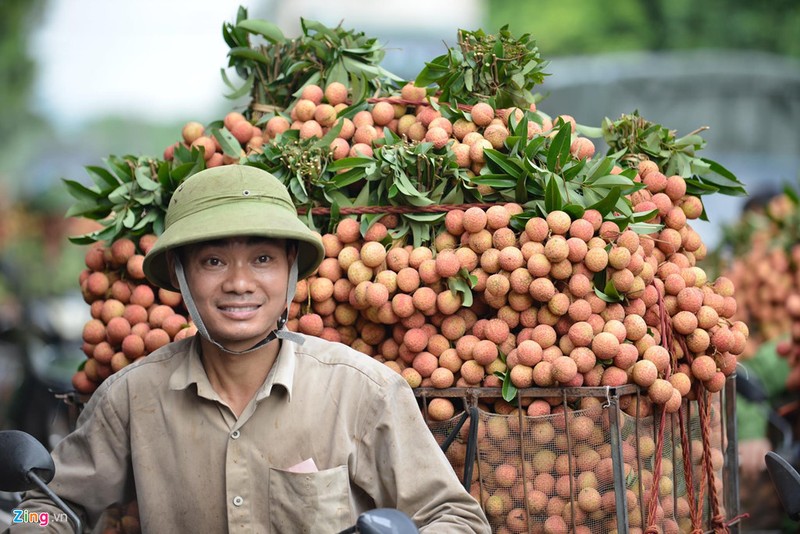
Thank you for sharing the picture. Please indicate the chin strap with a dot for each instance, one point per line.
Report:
(278, 333)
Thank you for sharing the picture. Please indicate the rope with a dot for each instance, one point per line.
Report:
(694, 505)
(666, 342)
(360, 210)
(687, 470)
(717, 519)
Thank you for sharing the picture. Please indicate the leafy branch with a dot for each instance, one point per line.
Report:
(495, 68)
(131, 196)
(276, 68)
(542, 175)
(638, 139)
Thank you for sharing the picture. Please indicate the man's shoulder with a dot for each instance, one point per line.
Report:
(152, 369)
(344, 359)
(140, 380)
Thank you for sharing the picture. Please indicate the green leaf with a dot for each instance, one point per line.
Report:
(608, 203)
(790, 192)
(248, 53)
(309, 25)
(471, 279)
(358, 87)
(697, 188)
(144, 181)
(102, 177)
(425, 217)
(266, 29)
(230, 146)
(646, 228)
(337, 73)
(325, 140)
(610, 292)
(121, 194)
(607, 298)
(610, 180)
(463, 287)
(552, 196)
(558, 153)
(502, 161)
(455, 196)
(468, 79)
(351, 162)
(498, 181)
(574, 211)
(572, 170)
(589, 131)
(336, 197)
(363, 197)
(245, 88)
(509, 390)
(533, 146)
(722, 171)
(644, 215)
(428, 75)
(80, 191)
(89, 210)
(129, 219)
(144, 221)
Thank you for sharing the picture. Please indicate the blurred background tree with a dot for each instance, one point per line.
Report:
(20, 125)
(565, 27)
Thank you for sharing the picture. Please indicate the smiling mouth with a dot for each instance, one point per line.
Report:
(235, 309)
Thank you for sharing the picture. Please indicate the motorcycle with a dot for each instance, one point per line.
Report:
(786, 480)
(26, 464)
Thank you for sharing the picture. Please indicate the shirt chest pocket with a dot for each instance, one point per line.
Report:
(309, 502)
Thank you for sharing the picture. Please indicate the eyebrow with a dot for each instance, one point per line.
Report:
(249, 240)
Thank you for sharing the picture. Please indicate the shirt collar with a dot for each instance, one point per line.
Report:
(191, 371)
(282, 372)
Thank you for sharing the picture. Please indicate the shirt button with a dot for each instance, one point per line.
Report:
(237, 501)
(235, 434)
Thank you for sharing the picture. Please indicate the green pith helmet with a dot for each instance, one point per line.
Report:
(231, 201)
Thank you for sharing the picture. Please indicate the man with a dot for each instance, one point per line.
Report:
(247, 427)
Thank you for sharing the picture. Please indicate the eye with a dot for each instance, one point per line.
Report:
(264, 258)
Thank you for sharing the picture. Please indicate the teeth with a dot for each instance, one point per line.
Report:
(239, 308)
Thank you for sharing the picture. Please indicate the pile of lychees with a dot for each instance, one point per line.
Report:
(130, 317)
(535, 313)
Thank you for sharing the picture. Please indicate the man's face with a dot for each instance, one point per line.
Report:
(239, 286)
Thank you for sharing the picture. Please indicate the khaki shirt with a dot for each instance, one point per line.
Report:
(197, 468)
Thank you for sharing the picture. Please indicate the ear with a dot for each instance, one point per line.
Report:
(173, 278)
(292, 247)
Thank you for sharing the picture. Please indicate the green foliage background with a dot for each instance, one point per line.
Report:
(563, 27)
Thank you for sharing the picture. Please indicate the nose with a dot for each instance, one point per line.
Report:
(239, 279)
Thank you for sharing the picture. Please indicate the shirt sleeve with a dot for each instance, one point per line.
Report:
(92, 466)
(401, 466)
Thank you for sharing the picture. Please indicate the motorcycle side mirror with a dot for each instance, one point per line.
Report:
(786, 480)
(20, 455)
(25, 464)
(383, 521)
